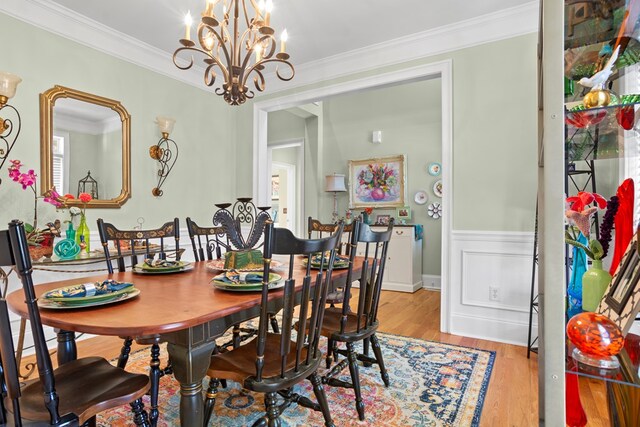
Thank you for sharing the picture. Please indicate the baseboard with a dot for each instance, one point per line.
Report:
(491, 329)
(430, 281)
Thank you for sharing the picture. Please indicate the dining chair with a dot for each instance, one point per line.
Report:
(316, 229)
(73, 393)
(207, 240)
(274, 362)
(342, 325)
(132, 244)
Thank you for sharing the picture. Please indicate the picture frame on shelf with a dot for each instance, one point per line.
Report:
(378, 182)
(404, 213)
(383, 219)
(621, 300)
(275, 187)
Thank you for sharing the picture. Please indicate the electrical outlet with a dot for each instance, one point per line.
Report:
(494, 293)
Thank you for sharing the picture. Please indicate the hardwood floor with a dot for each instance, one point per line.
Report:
(512, 397)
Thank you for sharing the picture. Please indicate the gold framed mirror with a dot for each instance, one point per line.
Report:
(85, 146)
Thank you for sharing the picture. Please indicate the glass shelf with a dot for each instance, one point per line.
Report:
(629, 360)
(598, 133)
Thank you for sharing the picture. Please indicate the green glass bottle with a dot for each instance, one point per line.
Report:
(82, 235)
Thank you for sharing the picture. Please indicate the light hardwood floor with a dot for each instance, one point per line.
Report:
(512, 397)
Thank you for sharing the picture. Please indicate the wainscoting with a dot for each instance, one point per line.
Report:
(490, 285)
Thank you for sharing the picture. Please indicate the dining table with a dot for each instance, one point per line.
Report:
(183, 309)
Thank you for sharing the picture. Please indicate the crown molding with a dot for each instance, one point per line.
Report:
(488, 28)
(71, 25)
(501, 25)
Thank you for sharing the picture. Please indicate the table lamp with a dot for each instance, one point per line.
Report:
(335, 184)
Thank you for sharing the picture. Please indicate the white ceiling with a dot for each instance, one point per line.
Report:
(317, 28)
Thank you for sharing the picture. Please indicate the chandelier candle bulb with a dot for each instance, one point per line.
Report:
(283, 40)
(258, 50)
(269, 8)
(188, 20)
(209, 8)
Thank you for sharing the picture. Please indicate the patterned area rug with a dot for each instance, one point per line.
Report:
(432, 384)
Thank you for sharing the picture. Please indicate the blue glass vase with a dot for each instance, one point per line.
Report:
(578, 268)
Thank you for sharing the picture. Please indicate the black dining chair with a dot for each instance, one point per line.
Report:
(133, 244)
(73, 393)
(343, 325)
(274, 362)
(208, 243)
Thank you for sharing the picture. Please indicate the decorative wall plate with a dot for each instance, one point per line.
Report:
(421, 197)
(437, 188)
(434, 169)
(435, 210)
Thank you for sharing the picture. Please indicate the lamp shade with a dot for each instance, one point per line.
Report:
(165, 124)
(8, 84)
(334, 183)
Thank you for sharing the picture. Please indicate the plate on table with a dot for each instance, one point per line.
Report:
(139, 269)
(63, 305)
(97, 291)
(275, 282)
(341, 262)
(218, 265)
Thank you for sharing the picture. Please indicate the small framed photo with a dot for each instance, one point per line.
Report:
(404, 213)
(275, 187)
(383, 219)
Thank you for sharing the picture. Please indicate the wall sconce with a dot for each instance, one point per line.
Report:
(165, 152)
(9, 130)
(335, 184)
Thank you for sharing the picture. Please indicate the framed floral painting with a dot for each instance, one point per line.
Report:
(378, 182)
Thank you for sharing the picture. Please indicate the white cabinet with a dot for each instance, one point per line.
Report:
(403, 271)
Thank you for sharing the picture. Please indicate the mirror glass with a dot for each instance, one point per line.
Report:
(86, 149)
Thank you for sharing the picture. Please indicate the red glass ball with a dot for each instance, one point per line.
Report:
(595, 335)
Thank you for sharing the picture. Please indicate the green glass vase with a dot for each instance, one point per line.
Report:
(83, 235)
(594, 283)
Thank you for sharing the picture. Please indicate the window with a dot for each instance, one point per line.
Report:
(60, 163)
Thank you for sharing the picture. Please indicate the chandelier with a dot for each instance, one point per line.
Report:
(237, 45)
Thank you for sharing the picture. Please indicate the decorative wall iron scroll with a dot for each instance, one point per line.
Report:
(9, 131)
(244, 212)
(165, 152)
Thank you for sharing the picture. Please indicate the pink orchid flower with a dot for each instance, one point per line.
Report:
(582, 220)
(53, 197)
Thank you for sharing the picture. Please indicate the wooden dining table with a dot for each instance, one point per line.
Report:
(183, 309)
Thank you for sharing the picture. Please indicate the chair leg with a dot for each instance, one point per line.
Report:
(318, 390)
(329, 358)
(154, 379)
(274, 323)
(365, 351)
(209, 403)
(355, 379)
(236, 336)
(272, 417)
(124, 352)
(375, 344)
(140, 417)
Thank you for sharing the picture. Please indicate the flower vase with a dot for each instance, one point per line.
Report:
(366, 218)
(594, 283)
(578, 268)
(82, 235)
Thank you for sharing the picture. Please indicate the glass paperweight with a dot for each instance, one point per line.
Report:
(597, 340)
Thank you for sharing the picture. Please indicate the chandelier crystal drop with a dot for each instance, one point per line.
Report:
(237, 41)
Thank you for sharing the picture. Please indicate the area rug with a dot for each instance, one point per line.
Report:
(432, 384)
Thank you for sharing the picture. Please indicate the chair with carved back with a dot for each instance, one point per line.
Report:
(273, 363)
(343, 325)
(132, 244)
(207, 242)
(73, 393)
(316, 229)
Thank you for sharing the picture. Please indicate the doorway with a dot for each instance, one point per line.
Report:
(286, 160)
(441, 70)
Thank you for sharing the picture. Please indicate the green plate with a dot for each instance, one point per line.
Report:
(273, 278)
(336, 265)
(63, 305)
(179, 266)
(226, 287)
(92, 299)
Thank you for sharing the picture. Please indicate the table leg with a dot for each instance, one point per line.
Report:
(67, 350)
(190, 365)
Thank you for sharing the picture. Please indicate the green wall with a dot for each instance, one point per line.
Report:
(205, 128)
(494, 133)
